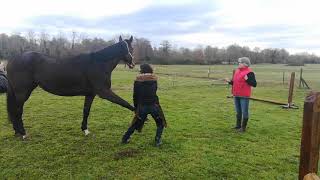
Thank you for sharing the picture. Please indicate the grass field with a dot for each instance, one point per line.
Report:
(198, 144)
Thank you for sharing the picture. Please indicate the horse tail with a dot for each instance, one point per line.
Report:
(11, 103)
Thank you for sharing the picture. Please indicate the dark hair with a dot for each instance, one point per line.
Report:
(145, 68)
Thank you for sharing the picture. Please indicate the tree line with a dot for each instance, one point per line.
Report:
(62, 45)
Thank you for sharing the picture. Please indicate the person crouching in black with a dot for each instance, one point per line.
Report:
(146, 102)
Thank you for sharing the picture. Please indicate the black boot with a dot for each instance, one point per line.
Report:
(157, 139)
(125, 140)
(244, 125)
(126, 136)
(238, 124)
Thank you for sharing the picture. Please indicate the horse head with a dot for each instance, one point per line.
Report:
(128, 57)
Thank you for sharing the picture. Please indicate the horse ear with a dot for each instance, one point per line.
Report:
(120, 38)
(131, 39)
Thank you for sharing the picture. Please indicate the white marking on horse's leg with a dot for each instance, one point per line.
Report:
(24, 137)
(86, 132)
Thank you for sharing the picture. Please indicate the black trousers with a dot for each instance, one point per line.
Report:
(143, 112)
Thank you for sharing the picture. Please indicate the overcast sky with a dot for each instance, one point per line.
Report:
(293, 25)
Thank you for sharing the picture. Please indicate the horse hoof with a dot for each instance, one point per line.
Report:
(86, 132)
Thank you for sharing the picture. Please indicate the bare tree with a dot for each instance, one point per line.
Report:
(44, 39)
(198, 55)
(73, 38)
(60, 46)
(165, 48)
(233, 53)
(283, 56)
(4, 42)
(32, 42)
(143, 51)
(211, 55)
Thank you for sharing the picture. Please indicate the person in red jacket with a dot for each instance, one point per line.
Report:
(242, 82)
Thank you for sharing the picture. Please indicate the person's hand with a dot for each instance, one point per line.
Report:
(245, 77)
(227, 80)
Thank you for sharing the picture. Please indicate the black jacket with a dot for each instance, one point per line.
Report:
(145, 90)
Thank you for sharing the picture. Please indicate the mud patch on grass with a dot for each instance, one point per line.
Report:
(128, 153)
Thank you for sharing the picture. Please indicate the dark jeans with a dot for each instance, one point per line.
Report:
(242, 109)
(144, 110)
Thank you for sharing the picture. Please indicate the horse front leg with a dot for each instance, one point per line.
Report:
(111, 96)
(86, 111)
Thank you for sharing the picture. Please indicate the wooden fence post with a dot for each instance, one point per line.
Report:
(290, 95)
(174, 79)
(300, 82)
(310, 137)
(291, 87)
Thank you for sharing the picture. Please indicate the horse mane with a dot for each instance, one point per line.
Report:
(108, 53)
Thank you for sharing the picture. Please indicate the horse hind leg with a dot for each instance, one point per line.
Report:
(20, 131)
(21, 98)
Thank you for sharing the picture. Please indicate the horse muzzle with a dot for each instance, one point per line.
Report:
(131, 65)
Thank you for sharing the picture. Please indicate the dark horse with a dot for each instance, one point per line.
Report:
(83, 75)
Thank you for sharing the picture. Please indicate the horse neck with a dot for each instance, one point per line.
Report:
(110, 55)
(113, 63)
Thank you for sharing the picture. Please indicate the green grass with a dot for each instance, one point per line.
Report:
(198, 144)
